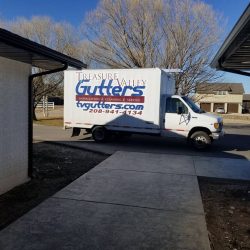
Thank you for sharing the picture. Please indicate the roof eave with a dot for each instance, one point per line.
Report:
(218, 59)
(17, 41)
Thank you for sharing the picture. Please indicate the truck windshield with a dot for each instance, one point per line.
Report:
(192, 105)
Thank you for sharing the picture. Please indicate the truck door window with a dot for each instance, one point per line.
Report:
(172, 105)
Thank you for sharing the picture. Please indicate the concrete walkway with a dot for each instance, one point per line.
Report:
(129, 201)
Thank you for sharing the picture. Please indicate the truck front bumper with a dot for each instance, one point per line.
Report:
(218, 135)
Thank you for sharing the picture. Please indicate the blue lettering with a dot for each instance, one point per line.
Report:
(109, 87)
(125, 89)
(79, 104)
(139, 91)
(108, 90)
(88, 90)
(81, 90)
(118, 106)
(86, 106)
(116, 90)
(101, 87)
(139, 107)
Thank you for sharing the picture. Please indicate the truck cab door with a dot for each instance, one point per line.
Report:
(177, 118)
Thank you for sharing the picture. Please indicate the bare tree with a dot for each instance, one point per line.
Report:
(191, 33)
(160, 33)
(59, 36)
(123, 33)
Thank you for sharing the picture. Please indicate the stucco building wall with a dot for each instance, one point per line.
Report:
(225, 99)
(13, 123)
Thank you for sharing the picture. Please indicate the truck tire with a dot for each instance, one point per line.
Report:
(99, 134)
(200, 140)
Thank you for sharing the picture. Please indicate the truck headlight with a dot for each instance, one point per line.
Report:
(216, 125)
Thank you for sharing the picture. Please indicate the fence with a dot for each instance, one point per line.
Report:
(44, 105)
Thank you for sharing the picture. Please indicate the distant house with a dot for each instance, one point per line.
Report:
(246, 103)
(229, 96)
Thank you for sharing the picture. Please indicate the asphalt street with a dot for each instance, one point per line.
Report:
(235, 143)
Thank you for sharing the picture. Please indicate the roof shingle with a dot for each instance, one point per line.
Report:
(209, 88)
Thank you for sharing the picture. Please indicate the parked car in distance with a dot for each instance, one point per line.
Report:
(220, 111)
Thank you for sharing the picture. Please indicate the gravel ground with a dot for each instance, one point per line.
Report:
(227, 208)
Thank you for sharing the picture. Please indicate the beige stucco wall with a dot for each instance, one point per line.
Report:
(229, 98)
(13, 123)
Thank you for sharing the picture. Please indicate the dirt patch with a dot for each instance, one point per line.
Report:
(243, 117)
(57, 112)
(54, 167)
(50, 122)
(227, 208)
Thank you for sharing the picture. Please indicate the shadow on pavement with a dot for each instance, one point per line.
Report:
(231, 146)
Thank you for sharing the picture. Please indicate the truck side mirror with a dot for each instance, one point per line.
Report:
(180, 111)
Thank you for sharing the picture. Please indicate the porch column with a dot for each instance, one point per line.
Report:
(212, 107)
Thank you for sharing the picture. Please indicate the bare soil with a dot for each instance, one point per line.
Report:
(50, 122)
(54, 167)
(227, 208)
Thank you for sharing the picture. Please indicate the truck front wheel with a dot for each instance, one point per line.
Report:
(200, 140)
(99, 134)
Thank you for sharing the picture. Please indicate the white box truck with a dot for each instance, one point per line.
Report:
(105, 102)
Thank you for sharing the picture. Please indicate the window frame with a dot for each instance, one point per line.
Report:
(186, 109)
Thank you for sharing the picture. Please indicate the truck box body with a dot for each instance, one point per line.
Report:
(119, 99)
(117, 102)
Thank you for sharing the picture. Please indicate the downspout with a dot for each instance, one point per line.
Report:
(30, 114)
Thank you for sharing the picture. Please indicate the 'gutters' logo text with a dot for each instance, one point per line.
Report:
(106, 88)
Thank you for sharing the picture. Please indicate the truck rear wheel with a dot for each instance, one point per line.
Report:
(200, 140)
(99, 134)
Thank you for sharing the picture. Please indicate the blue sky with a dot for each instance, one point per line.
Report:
(74, 11)
(60, 10)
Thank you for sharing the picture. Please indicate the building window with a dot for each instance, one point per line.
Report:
(220, 92)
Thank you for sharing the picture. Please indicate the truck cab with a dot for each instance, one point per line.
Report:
(183, 118)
